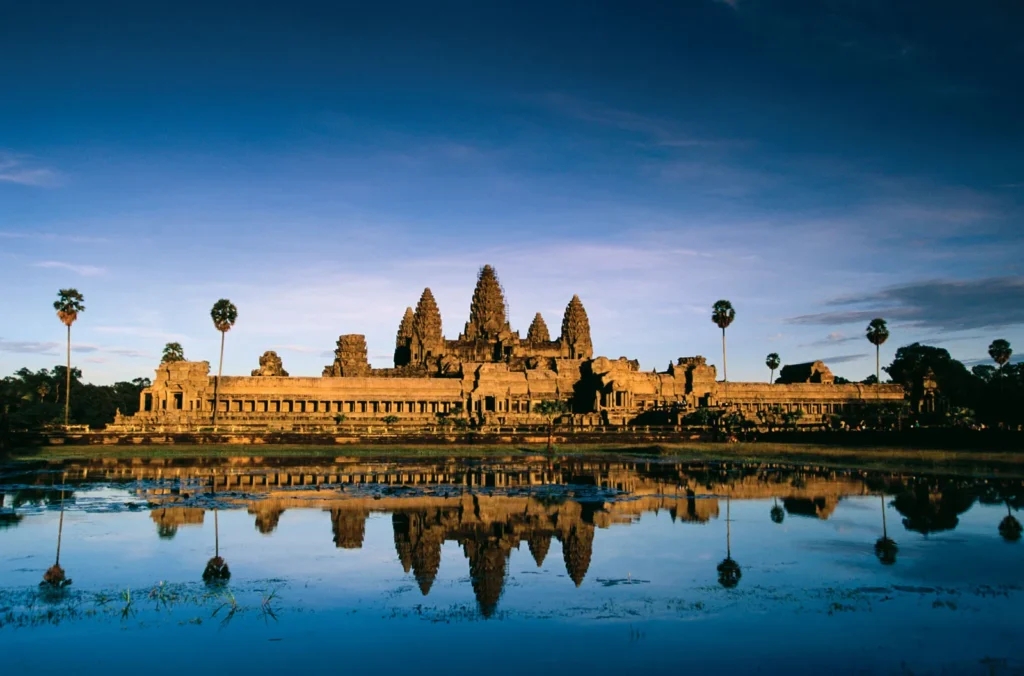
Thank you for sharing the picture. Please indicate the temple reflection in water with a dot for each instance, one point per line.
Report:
(492, 508)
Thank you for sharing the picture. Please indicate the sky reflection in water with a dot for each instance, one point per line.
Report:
(441, 566)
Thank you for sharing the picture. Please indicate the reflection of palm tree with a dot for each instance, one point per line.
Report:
(54, 576)
(217, 571)
(1009, 527)
(885, 548)
(778, 514)
(729, 572)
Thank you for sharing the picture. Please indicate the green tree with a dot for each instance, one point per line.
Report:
(877, 333)
(551, 409)
(172, 352)
(1000, 352)
(69, 304)
(778, 514)
(984, 372)
(723, 314)
(912, 363)
(772, 361)
(224, 315)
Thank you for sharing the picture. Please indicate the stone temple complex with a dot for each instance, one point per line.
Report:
(489, 375)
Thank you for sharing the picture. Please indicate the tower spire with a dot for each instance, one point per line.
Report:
(404, 338)
(576, 331)
(427, 340)
(538, 331)
(487, 313)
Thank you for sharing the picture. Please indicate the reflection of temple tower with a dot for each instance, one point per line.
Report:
(488, 560)
(821, 508)
(349, 528)
(577, 547)
(418, 544)
(539, 543)
(168, 519)
(267, 514)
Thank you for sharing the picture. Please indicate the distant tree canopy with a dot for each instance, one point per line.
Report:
(913, 362)
(32, 399)
(985, 393)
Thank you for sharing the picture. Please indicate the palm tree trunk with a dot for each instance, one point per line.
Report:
(551, 428)
(771, 376)
(216, 383)
(728, 528)
(885, 531)
(216, 534)
(67, 387)
(60, 527)
(725, 369)
(878, 363)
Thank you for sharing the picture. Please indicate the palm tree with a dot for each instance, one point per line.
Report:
(885, 549)
(69, 304)
(877, 333)
(1000, 351)
(772, 361)
(551, 409)
(224, 314)
(729, 572)
(172, 352)
(722, 314)
(777, 513)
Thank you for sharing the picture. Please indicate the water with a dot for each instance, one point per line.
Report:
(521, 566)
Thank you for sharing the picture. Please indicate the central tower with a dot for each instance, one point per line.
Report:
(488, 319)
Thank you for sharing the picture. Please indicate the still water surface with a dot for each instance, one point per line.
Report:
(520, 566)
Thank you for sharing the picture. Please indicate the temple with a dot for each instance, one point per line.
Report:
(489, 375)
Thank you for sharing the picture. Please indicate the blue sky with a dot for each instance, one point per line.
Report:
(816, 162)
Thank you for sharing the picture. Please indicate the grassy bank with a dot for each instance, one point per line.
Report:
(982, 462)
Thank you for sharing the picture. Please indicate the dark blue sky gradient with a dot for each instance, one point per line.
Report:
(660, 155)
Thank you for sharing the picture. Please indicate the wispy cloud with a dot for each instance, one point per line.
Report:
(53, 348)
(949, 305)
(844, 358)
(833, 338)
(28, 347)
(84, 270)
(52, 236)
(654, 130)
(22, 170)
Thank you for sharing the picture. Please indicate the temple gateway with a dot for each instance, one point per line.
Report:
(489, 375)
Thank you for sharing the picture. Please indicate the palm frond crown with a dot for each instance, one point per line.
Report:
(224, 315)
(68, 305)
(722, 313)
(877, 331)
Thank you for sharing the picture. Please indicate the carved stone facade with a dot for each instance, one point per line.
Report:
(270, 365)
(349, 358)
(489, 375)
